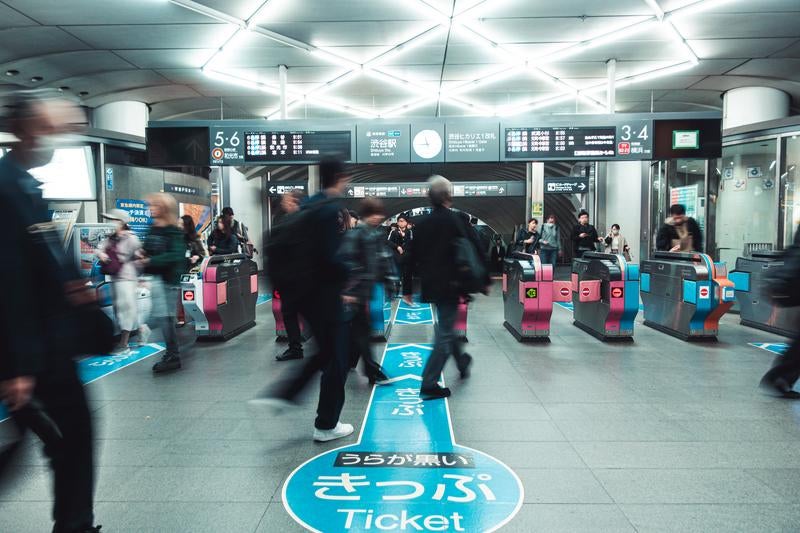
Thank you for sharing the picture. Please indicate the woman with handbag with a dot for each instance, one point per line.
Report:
(117, 255)
(615, 243)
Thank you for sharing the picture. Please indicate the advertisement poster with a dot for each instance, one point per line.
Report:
(201, 214)
(65, 220)
(87, 237)
(139, 213)
(686, 196)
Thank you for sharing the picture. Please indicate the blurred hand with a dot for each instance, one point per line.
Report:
(400, 250)
(487, 290)
(528, 241)
(103, 257)
(583, 235)
(78, 293)
(676, 248)
(212, 248)
(17, 392)
(408, 299)
(194, 259)
(351, 300)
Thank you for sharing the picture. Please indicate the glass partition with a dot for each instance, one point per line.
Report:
(790, 183)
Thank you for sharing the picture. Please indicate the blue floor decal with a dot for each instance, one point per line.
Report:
(263, 298)
(93, 368)
(419, 313)
(773, 347)
(406, 472)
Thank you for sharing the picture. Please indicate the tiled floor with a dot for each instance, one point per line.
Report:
(658, 435)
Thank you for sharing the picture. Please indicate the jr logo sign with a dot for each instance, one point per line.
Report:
(405, 473)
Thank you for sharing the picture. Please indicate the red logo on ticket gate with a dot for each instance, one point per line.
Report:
(704, 292)
(616, 292)
(585, 291)
(188, 296)
(624, 148)
(564, 291)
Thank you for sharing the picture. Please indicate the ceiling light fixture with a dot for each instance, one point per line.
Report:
(334, 58)
(694, 8)
(681, 41)
(11, 73)
(36, 79)
(656, 8)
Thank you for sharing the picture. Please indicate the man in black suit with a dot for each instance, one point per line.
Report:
(433, 261)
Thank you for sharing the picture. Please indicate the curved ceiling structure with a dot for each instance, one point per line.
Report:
(203, 59)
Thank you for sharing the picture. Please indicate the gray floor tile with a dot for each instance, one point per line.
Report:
(569, 518)
(643, 429)
(507, 430)
(564, 485)
(278, 519)
(501, 410)
(25, 517)
(653, 455)
(530, 454)
(729, 518)
(180, 517)
(784, 481)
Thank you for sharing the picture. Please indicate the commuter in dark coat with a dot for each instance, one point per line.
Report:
(223, 240)
(584, 236)
(400, 241)
(38, 381)
(497, 254)
(528, 238)
(679, 232)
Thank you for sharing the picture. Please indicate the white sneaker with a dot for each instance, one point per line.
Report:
(325, 435)
(121, 350)
(144, 334)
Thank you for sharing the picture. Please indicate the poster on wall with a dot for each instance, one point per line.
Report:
(64, 220)
(201, 214)
(739, 184)
(687, 197)
(86, 239)
(139, 213)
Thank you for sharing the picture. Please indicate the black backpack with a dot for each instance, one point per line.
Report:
(470, 268)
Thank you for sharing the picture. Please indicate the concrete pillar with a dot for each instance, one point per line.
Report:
(313, 179)
(123, 117)
(536, 190)
(749, 105)
(611, 74)
(282, 77)
(623, 186)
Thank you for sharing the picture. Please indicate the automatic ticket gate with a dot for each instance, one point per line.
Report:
(380, 310)
(460, 328)
(605, 295)
(280, 324)
(221, 297)
(527, 297)
(756, 309)
(685, 294)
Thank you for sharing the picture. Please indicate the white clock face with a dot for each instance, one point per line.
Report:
(427, 144)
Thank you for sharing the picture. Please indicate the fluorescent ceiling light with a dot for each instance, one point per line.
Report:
(428, 10)
(419, 87)
(693, 9)
(681, 41)
(655, 7)
(658, 73)
(334, 58)
(415, 42)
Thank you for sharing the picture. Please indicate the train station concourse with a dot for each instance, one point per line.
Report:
(244, 237)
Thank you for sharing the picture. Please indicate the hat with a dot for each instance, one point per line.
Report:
(117, 214)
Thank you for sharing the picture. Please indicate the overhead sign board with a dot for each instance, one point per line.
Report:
(295, 146)
(279, 188)
(226, 146)
(566, 185)
(472, 142)
(427, 143)
(383, 144)
(420, 190)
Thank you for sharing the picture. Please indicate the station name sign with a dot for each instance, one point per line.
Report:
(472, 189)
(432, 140)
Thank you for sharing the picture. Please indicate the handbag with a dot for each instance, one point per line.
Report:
(113, 265)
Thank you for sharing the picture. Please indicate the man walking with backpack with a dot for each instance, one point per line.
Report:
(437, 259)
(311, 248)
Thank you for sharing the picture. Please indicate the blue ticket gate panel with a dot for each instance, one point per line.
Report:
(380, 309)
(221, 298)
(685, 294)
(605, 295)
(750, 283)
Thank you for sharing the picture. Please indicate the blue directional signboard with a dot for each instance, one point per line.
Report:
(406, 472)
(413, 314)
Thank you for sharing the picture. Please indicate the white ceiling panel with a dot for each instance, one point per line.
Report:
(772, 68)
(189, 58)
(562, 8)
(332, 11)
(746, 25)
(143, 94)
(669, 51)
(538, 30)
(238, 8)
(268, 57)
(790, 51)
(725, 83)
(109, 82)
(759, 6)
(68, 64)
(672, 82)
(153, 36)
(69, 12)
(18, 43)
(738, 48)
(350, 33)
(598, 69)
(11, 18)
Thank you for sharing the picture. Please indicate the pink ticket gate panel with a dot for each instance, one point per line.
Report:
(527, 297)
(605, 295)
(221, 297)
(280, 325)
(461, 320)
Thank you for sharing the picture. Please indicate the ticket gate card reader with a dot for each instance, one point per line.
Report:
(221, 297)
(751, 287)
(527, 297)
(685, 294)
(605, 295)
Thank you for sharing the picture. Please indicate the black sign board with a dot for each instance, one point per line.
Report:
(176, 188)
(464, 189)
(295, 146)
(671, 135)
(566, 143)
(566, 185)
(176, 147)
(279, 188)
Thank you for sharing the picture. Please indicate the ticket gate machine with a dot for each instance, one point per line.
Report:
(380, 324)
(280, 325)
(221, 297)
(685, 294)
(605, 295)
(756, 309)
(527, 297)
(460, 328)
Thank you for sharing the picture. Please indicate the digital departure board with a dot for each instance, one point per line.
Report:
(294, 146)
(565, 143)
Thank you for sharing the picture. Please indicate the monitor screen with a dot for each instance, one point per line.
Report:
(69, 176)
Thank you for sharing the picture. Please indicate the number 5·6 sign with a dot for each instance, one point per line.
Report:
(227, 147)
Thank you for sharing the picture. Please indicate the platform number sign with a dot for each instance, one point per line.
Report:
(227, 147)
(634, 139)
(531, 292)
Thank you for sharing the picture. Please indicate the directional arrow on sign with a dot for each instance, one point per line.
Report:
(582, 186)
(272, 189)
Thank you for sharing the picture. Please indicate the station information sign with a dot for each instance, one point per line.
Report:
(566, 143)
(295, 146)
(279, 188)
(472, 142)
(383, 144)
(420, 190)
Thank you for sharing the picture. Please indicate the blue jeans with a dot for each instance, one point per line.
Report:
(549, 256)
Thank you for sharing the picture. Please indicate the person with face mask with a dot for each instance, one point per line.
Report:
(550, 241)
(679, 232)
(615, 243)
(43, 316)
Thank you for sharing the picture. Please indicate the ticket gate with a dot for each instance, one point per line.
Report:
(605, 295)
(527, 297)
(221, 297)
(685, 294)
(380, 323)
(280, 325)
(750, 284)
(460, 329)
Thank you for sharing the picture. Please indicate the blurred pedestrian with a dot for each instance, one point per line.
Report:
(528, 238)
(117, 255)
(400, 240)
(240, 231)
(281, 275)
(616, 243)
(434, 261)
(497, 254)
(222, 240)
(584, 235)
(311, 249)
(550, 241)
(164, 258)
(354, 218)
(47, 316)
(679, 233)
(365, 252)
(195, 251)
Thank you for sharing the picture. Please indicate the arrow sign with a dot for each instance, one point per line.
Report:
(582, 186)
(405, 473)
